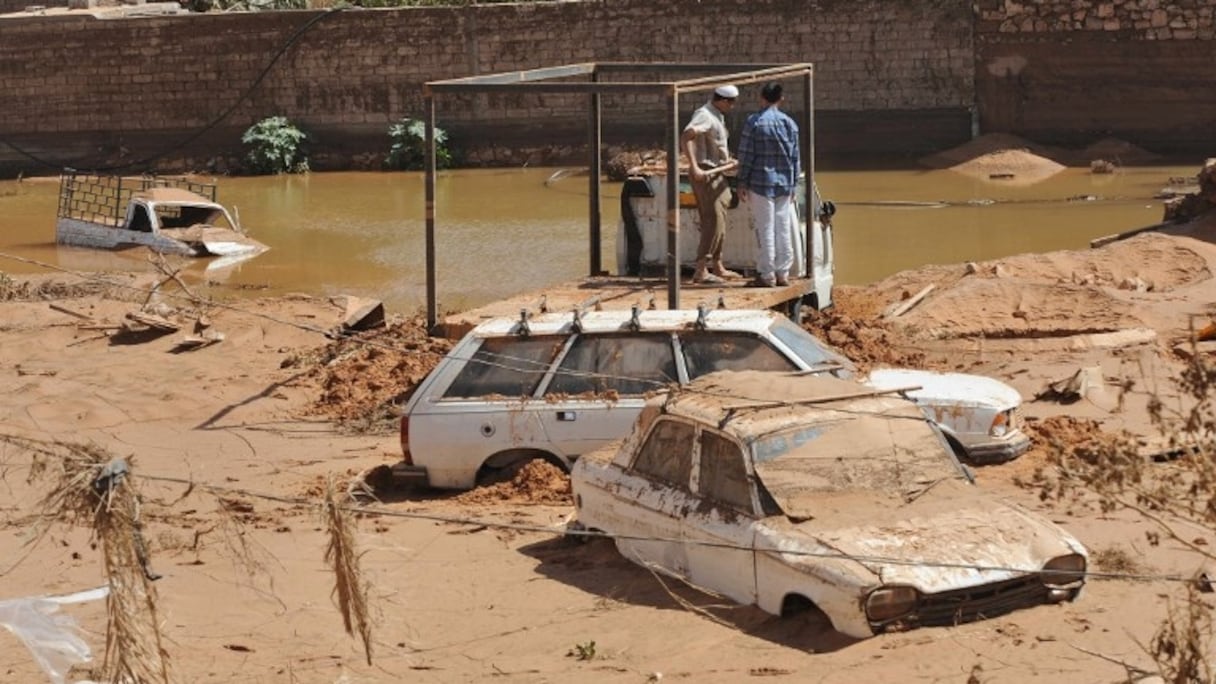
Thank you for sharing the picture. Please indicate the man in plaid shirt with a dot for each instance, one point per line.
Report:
(768, 170)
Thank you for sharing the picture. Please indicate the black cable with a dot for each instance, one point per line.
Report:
(214, 122)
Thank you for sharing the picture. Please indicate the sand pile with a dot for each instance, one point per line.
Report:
(1018, 167)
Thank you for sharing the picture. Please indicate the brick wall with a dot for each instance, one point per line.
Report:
(82, 91)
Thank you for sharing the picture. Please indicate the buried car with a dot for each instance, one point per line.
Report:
(794, 493)
(558, 385)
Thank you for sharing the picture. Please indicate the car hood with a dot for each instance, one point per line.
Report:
(950, 537)
(960, 389)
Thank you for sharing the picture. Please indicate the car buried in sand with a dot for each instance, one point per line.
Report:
(795, 493)
(557, 385)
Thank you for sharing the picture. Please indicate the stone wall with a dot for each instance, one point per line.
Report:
(893, 77)
(1076, 71)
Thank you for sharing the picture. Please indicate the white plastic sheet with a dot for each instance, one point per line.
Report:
(50, 635)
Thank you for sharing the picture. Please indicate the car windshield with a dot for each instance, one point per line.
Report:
(814, 354)
(895, 457)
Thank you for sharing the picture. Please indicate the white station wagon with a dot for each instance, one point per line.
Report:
(797, 493)
(558, 385)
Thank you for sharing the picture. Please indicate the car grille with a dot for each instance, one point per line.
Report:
(978, 603)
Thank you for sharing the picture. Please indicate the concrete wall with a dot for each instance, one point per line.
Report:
(1075, 71)
(80, 91)
(895, 79)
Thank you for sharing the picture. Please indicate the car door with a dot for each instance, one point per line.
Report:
(597, 388)
(485, 408)
(654, 496)
(720, 527)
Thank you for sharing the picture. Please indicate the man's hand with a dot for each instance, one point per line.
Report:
(697, 173)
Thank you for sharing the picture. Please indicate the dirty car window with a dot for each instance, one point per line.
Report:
(812, 352)
(667, 453)
(507, 366)
(723, 473)
(706, 352)
(625, 364)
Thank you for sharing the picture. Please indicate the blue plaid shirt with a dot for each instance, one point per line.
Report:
(768, 153)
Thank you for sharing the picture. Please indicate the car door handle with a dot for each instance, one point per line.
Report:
(567, 416)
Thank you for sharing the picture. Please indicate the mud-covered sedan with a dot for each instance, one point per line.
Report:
(792, 492)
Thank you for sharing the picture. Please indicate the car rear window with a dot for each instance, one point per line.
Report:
(625, 364)
(505, 366)
(667, 453)
(706, 352)
(812, 352)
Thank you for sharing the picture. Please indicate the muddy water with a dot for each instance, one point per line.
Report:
(506, 231)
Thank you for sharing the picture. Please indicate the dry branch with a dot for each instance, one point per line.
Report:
(350, 590)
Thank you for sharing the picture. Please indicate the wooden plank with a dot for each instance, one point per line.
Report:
(911, 302)
(620, 293)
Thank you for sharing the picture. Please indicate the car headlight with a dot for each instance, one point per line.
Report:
(1001, 424)
(888, 603)
(1064, 570)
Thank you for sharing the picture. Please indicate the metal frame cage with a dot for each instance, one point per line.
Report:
(610, 78)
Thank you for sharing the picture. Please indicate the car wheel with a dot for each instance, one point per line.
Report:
(802, 609)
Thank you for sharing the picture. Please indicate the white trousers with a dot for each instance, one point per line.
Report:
(771, 220)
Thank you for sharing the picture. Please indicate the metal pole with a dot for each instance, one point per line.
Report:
(596, 163)
(673, 199)
(432, 310)
(808, 165)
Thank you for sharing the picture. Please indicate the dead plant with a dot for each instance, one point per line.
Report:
(1176, 491)
(95, 489)
(350, 590)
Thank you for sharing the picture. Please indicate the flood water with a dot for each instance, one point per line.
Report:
(501, 232)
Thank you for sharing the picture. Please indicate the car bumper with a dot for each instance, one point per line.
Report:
(1001, 450)
(406, 473)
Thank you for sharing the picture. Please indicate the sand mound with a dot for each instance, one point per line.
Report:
(364, 376)
(988, 144)
(536, 482)
(1010, 166)
(1043, 295)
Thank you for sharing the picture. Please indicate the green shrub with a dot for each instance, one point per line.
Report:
(409, 146)
(276, 147)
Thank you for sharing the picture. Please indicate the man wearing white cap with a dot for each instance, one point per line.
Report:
(704, 141)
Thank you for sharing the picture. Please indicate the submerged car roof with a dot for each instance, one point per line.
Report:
(750, 404)
(174, 196)
(557, 323)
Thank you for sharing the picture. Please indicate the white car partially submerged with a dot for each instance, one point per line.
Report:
(793, 492)
(558, 385)
(167, 214)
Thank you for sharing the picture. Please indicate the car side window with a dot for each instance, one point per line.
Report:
(667, 453)
(723, 472)
(706, 352)
(506, 366)
(625, 364)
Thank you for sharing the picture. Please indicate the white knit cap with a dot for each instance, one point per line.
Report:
(726, 91)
